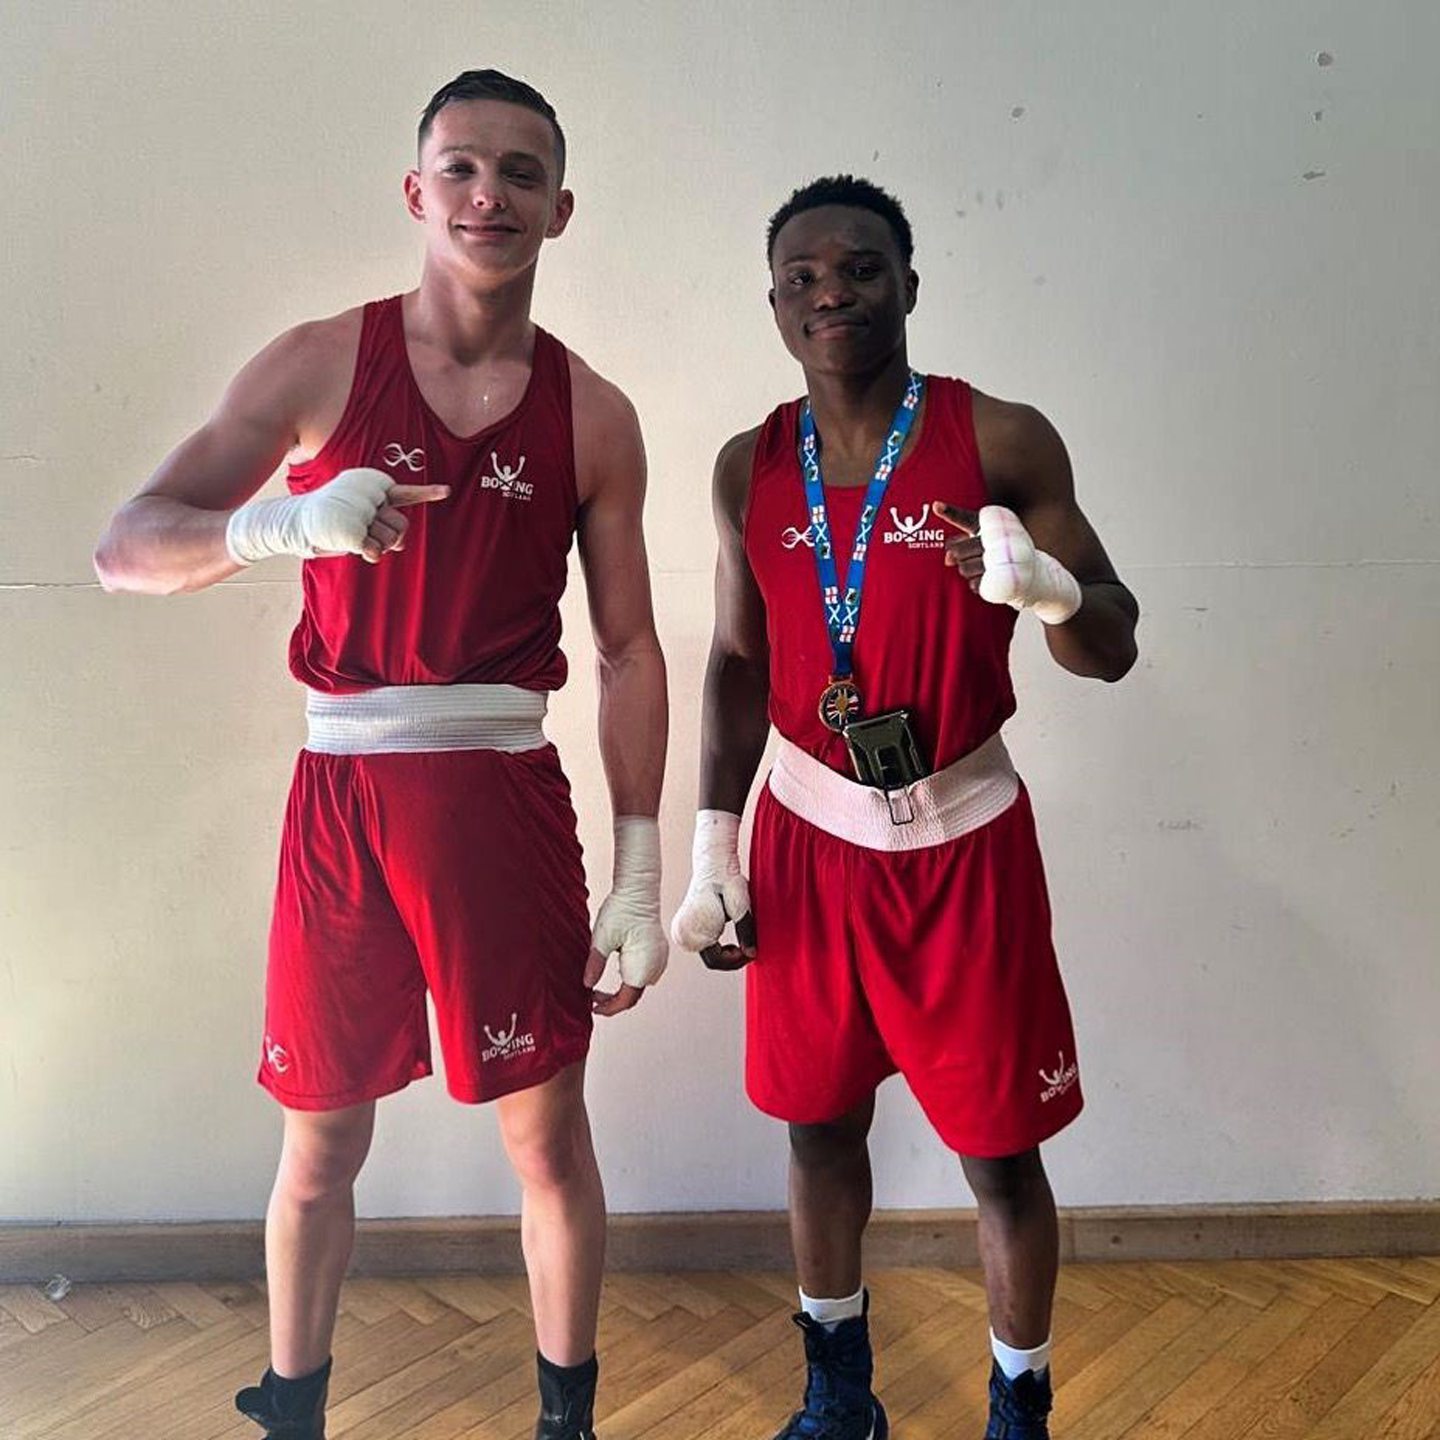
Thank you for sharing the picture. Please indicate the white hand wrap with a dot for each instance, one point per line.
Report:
(1018, 574)
(629, 920)
(331, 520)
(718, 891)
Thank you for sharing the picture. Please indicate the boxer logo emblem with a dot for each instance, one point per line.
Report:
(506, 479)
(507, 1044)
(276, 1056)
(396, 454)
(1059, 1082)
(913, 532)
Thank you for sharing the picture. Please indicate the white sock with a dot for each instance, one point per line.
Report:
(1014, 1363)
(830, 1313)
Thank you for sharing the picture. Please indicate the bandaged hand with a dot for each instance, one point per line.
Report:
(356, 513)
(629, 919)
(995, 553)
(717, 894)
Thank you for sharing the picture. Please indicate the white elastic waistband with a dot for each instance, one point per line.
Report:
(425, 717)
(962, 797)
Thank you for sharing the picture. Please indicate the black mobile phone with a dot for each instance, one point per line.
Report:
(884, 751)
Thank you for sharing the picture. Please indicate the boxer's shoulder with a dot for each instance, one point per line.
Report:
(312, 365)
(320, 354)
(1019, 448)
(596, 402)
(609, 449)
(303, 367)
(734, 468)
(1006, 425)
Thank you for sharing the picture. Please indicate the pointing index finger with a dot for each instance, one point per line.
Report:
(402, 495)
(966, 521)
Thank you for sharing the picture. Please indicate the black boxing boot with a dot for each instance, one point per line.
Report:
(288, 1409)
(567, 1400)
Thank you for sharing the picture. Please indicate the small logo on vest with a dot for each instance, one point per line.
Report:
(913, 532)
(396, 454)
(277, 1057)
(793, 538)
(1064, 1077)
(508, 1044)
(506, 479)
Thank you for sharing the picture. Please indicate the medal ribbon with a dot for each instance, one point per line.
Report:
(842, 608)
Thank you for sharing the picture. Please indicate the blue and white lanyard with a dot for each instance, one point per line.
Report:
(842, 611)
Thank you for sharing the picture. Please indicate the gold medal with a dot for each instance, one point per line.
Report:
(839, 703)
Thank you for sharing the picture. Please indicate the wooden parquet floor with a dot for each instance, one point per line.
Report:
(1315, 1350)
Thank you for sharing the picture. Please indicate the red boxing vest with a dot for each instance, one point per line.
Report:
(926, 643)
(474, 596)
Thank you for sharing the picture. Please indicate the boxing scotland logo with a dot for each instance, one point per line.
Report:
(507, 1044)
(913, 532)
(1060, 1081)
(506, 479)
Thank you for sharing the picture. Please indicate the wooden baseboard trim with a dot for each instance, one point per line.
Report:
(735, 1240)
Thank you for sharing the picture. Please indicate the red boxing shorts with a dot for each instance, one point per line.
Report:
(457, 872)
(935, 963)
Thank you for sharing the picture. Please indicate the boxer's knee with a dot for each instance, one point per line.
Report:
(1010, 1187)
(323, 1153)
(546, 1132)
(838, 1142)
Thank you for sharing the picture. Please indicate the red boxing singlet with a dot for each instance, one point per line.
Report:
(474, 596)
(926, 642)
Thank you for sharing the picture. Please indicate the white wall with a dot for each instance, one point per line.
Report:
(1113, 223)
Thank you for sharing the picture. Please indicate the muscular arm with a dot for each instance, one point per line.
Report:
(610, 458)
(735, 720)
(610, 464)
(1028, 470)
(171, 536)
(733, 729)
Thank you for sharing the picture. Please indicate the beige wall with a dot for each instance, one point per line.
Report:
(1113, 222)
